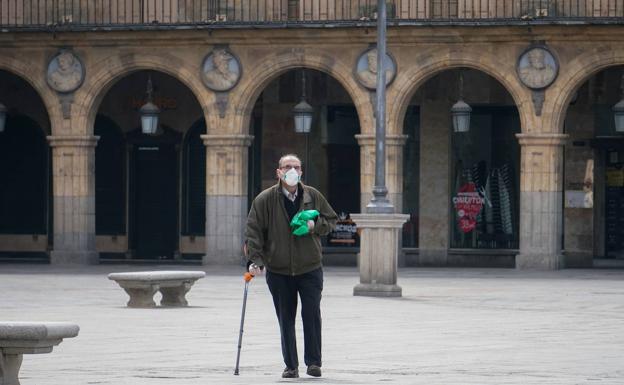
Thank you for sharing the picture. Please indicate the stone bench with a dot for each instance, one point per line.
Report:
(142, 285)
(18, 338)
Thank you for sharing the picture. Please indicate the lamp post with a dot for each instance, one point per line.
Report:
(460, 111)
(379, 203)
(149, 112)
(379, 240)
(3, 116)
(618, 110)
(303, 113)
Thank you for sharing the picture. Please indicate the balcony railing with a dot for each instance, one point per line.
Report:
(80, 14)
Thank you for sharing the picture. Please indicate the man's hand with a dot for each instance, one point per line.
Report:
(310, 225)
(256, 270)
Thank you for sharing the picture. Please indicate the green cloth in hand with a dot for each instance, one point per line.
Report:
(299, 223)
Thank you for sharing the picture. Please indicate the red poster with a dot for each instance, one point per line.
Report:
(468, 204)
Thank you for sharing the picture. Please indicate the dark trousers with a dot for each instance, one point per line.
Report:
(284, 289)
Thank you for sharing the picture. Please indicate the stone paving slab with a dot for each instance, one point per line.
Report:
(452, 326)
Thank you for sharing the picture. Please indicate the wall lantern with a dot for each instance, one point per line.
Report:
(3, 116)
(149, 112)
(303, 112)
(618, 111)
(460, 111)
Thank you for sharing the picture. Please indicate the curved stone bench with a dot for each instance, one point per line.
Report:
(18, 338)
(142, 285)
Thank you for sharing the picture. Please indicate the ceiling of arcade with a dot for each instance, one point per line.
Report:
(183, 61)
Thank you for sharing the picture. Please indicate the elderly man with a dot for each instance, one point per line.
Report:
(292, 262)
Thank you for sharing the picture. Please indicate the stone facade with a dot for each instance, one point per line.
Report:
(421, 52)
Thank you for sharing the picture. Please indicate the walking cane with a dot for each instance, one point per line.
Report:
(247, 277)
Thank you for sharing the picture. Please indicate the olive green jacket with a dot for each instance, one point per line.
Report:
(269, 238)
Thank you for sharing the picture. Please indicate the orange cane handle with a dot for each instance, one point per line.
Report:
(248, 277)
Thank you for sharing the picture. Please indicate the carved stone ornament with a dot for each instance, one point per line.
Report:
(537, 68)
(221, 70)
(65, 72)
(365, 70)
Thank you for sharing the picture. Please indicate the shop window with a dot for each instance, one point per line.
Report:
(485, 185)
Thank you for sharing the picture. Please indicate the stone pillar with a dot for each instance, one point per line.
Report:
(73, 181)
(394, 169)
(541, 181)
(226, 197)
(435, 149)
(379, 251)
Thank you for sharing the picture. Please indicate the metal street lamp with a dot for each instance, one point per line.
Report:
(461, 110)
(618, 111)
(379, 204)
(303, 113)
(3, 116)
(149, 112)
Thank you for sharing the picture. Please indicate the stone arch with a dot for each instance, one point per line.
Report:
(432, 63)
(32, 75)
(261, 76)
(580, 70)
(105, 74)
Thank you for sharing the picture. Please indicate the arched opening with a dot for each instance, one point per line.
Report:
(466, 183)
(25, 190)
(594, 173)
(143, 217)
(329, 152)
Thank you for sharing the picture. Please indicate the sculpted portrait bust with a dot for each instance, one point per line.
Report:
(221, 70)
(366, 69)
(537, 68)
(65, 72)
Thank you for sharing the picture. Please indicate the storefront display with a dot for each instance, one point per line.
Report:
(484, 199)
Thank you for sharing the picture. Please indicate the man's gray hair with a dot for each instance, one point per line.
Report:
(288, 156)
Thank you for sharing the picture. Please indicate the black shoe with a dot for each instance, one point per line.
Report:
(290, 373)
(314, 371)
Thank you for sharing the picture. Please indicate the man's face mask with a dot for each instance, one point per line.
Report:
(291, 177)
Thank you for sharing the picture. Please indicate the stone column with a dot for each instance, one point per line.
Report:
(435, 150)
(226, 197)
(379, 251)
(541, 181)
(394, 168)
(73, 181)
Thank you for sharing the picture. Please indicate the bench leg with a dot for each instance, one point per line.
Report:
(175, 296)
(9, 368)
(142, 297)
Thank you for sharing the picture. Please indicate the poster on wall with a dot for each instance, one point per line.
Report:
(468, 204)
(345, 233)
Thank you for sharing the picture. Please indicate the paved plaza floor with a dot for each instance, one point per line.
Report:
(452, 326)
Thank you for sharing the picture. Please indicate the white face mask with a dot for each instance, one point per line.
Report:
(291, 177)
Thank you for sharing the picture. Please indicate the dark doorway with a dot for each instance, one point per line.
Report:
(24, 178)
(614, 200)
(110, 177)
(343, 155)
(154, 194)
(194, 182)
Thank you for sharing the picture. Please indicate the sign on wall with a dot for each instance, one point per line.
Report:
(468, 204)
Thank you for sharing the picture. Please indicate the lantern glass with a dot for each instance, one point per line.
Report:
(149, 123)
(149, 118)
(303, 113)
(461, 116)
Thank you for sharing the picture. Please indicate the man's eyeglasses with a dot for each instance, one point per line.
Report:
(288, 167)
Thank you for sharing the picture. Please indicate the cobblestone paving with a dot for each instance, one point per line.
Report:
(452, 326)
